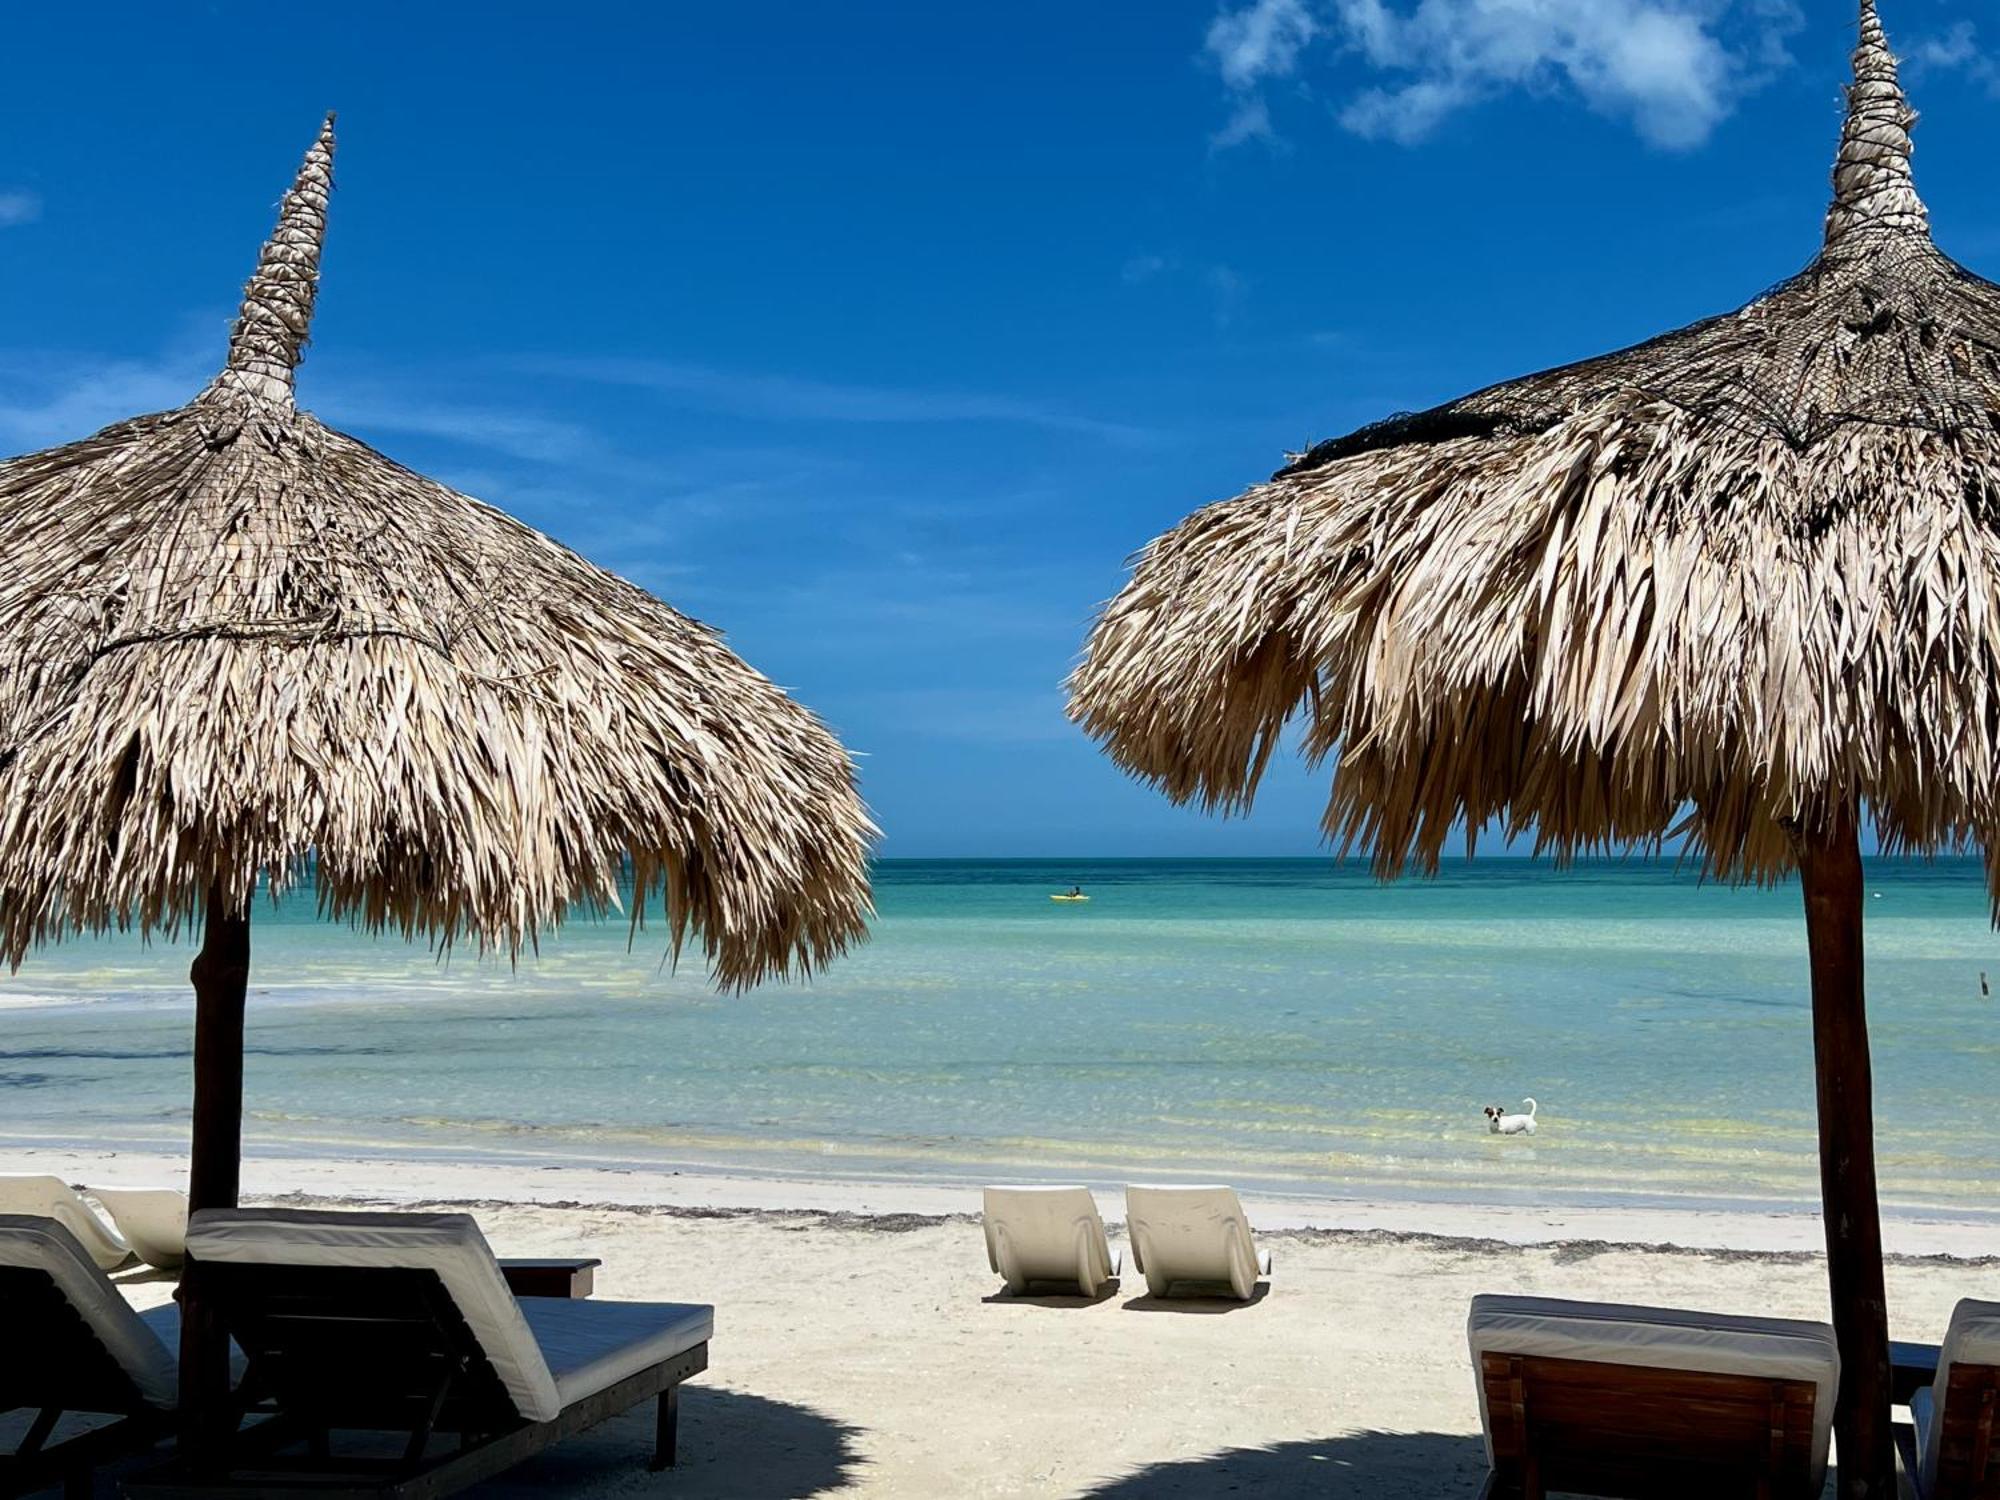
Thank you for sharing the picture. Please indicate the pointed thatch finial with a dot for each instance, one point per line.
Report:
(1872, 186)
(271, 330)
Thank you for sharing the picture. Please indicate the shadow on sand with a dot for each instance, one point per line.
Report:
(1361, 1466)
(732, 1444)
(1033, 1298)
(1210, 1304)
(1194, 1301)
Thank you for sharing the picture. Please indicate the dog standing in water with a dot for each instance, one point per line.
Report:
(1499, 1122)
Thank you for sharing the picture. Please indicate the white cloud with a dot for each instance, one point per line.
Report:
(1674, 68)
(1249, 47)
(1405, 115)
(1958, 50)
(1652, 61)
(1250, 120)
(19, 208)
(1263, 40)
(1955, 49)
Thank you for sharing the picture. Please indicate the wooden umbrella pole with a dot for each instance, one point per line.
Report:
(1830, 870)
(221, 976)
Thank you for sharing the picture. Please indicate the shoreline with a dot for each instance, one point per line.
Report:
(391, 1181)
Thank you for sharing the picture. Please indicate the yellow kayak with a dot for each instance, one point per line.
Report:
(1069, 898)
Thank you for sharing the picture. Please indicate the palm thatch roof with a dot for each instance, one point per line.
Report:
(234, 640)
(1747, 572)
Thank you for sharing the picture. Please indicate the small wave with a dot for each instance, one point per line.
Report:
(17, 1000)
(41, 1080)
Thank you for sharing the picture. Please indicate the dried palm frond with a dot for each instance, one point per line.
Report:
(234, 641)
(1739, 575)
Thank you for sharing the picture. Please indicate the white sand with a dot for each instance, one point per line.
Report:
(860, 1343)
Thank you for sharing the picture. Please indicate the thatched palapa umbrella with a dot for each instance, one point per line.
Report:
(1744, 577)
(234, 640)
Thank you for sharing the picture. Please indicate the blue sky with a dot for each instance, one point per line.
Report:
(879, 335)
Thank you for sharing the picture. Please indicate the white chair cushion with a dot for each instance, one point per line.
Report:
(51, 1197)
(448, 1244)
(1663, 1338)
(152, 1220)
(1192, 1233)
(591, 1346)
(42, 1244)
(1971, 1338)
(1047, 1232)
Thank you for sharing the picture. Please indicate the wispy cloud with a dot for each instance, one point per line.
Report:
(514, 433)
(812, 551)
(49, 398)
(1957, 50)
(1261, 41)
(1225, 287)
(1655, 63)
(1249, 120)
(19, 207)
(1674, 68)
(1249, 47)
(1953, 49)
(1228, 290)
(792, 398)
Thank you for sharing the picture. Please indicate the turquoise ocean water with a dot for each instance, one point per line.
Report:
(1291, 1025)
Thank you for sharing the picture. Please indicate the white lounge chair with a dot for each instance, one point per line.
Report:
(1594, 1398)
(357, 1323)
(1049, 1234)
(76, 1348)
(1193, 1235)
(152, 1220)
(43, 1196)
(1953, 1453)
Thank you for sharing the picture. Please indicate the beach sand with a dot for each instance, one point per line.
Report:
(861, 1344)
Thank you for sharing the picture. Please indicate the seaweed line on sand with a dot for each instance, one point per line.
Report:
(1566, 1251)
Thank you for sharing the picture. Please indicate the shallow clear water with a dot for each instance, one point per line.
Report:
(1290, 1024)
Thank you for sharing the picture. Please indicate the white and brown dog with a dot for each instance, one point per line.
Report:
(1499, 1122)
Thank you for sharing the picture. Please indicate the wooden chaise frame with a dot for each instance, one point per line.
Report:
(55, 1366)
(1968, 1465)
(334, 1351)
(1640, 1432)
